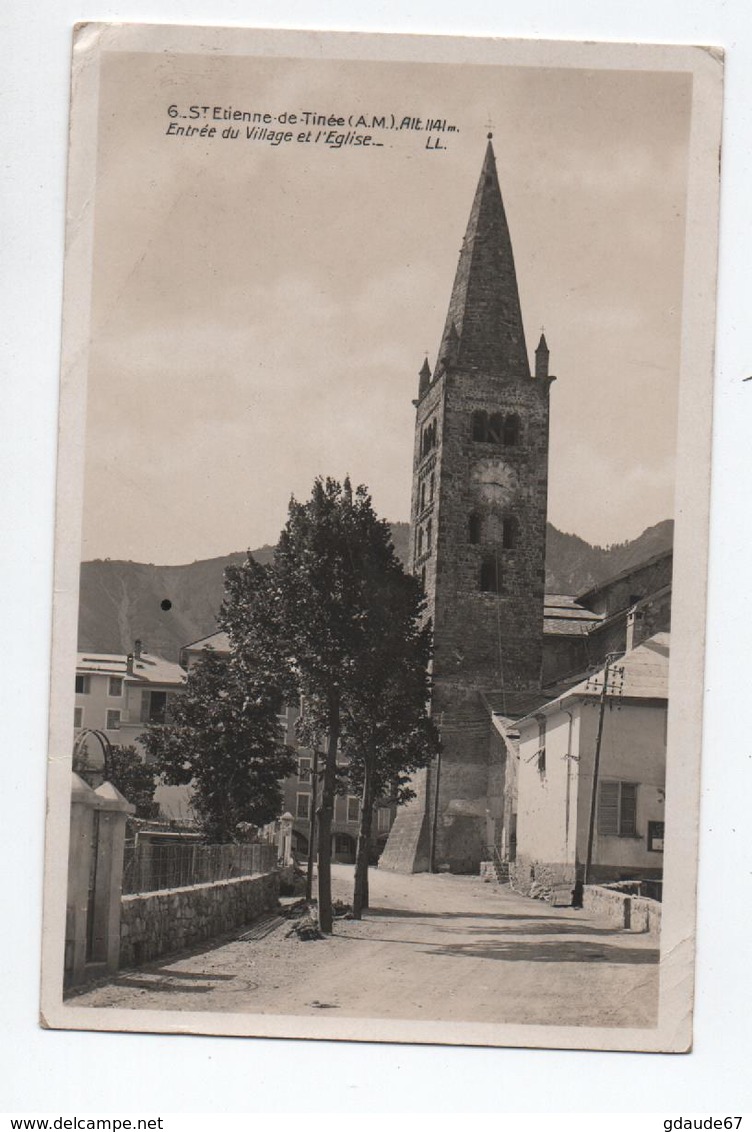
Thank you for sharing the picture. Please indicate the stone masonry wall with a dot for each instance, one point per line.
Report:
(539, 878)
(156, 923)
(636, 913)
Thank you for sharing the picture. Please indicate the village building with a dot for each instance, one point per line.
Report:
(117, 697)
(557, 745)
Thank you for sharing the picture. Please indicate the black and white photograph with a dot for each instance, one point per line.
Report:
(381, 541)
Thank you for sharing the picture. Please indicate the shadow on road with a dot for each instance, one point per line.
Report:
(409, 913)
(556, 951)
(527, 951)
(547, 927)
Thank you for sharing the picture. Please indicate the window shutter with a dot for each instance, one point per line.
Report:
(608, 808)
(628, 823)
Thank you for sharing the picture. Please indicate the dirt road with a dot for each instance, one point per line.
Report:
(436, 948)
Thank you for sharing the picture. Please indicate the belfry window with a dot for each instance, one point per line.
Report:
(429, 438)
(495, 428)
(511, 434)
(420, 541)
(423, 495)
(430, 488)
(474, 529)
(509, 532)
(429, 535)
(480, 423)
(490, 576)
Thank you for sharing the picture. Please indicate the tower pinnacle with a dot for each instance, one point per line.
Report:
(485, 306)
(424, 378)
(541, 357)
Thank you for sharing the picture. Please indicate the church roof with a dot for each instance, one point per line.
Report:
(484, 325)
(563, 616)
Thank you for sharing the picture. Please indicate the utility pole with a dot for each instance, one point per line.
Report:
(596, 763)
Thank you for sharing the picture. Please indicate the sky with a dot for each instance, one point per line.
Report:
(260, 313)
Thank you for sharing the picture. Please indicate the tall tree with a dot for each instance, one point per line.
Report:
(387, 736)
(386, 732)
(223, 737)
(319, 620)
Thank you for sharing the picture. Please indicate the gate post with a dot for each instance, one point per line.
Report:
(80, 864)
(285, 839)
(113, 810)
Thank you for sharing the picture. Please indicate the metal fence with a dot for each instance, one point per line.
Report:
(151, 867)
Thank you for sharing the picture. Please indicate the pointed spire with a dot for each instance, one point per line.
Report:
(541, 357)
(484, 310)
(425, 378)
(450, 345)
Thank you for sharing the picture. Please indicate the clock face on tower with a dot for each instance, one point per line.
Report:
(496, 482)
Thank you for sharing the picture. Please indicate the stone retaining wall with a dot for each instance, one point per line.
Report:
(156, 923)
(622, 910)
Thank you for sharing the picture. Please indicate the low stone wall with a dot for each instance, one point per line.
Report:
(645, 915)
(156, 923)
(609, 905)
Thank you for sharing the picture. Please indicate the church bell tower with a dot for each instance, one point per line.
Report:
(478, 536)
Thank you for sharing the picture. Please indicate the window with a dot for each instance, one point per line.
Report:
(303, 806)
(474, 528)
(304, 770)
(423, 579)
(282, 724)
(511, 434)
(113, 720)
(78, 717)
(420, 541)
(495, 429)
(423, 495)
(115, 687)
(479, 425)
(353, 808)
(617, 809)
(82, 684)
(153, 707)
(429, 535)
(509, 532)
(431, 485)
(490, 576)
(383, 819)
(428, 440)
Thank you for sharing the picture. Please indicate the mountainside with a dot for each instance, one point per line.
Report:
(120, 601)
(573, 565)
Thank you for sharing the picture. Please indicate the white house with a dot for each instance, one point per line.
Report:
(557, 748)
(119, 695)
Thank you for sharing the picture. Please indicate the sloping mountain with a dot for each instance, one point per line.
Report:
(120, 601)
(573, 565)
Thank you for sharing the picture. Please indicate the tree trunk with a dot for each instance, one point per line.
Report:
(326, 815)
(360, 893)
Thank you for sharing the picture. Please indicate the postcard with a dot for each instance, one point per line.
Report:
(381, 540)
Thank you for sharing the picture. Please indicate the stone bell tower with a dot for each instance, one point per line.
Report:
(478, 536)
